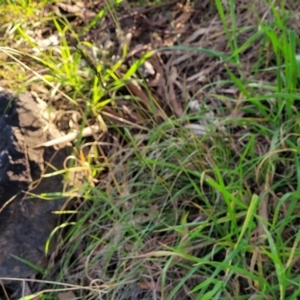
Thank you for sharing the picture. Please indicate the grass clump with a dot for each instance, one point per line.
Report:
(193, 182)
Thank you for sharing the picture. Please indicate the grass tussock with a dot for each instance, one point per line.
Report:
(191, 185)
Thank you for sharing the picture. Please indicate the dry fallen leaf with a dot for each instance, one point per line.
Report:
(69, 295)
(150, 285)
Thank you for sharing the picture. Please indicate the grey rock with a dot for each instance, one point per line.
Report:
(26, 220)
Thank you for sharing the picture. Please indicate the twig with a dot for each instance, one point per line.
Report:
(87, 131)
